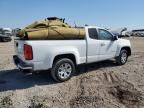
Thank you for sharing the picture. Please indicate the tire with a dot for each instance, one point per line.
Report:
(122, 58)
(62, 70)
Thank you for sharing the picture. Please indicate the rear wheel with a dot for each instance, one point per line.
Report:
(122, 58)
(62, 69)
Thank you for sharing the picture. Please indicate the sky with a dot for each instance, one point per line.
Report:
(102, 13)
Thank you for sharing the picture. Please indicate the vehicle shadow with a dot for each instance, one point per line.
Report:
(13, 79)
(95, 66)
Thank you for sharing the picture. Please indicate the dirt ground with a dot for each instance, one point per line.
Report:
(100, 85)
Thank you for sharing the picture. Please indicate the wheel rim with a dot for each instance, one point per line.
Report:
(65, 70)
(124, 57)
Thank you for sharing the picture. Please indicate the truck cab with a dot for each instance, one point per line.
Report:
(103, 44)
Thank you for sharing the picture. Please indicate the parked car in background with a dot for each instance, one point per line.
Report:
(15, 31)
(5, 34)
(7, 31)
(121, 32)
(126, 33)
(138, 33)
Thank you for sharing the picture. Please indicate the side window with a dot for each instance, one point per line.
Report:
(93, 33)
(105, 35)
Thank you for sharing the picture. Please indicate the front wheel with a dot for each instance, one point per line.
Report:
(122, 58)
(62, 70)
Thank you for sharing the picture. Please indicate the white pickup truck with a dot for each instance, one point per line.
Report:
(62, 56)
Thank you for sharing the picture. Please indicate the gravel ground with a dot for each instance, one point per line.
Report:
(100, 85)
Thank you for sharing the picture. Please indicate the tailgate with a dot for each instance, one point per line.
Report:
(19, 48)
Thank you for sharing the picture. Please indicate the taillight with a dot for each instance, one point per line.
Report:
(28, 53)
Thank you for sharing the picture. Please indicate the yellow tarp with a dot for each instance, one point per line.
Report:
(53, 29)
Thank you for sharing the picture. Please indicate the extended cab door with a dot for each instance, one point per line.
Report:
(108, 45)
(93, 45)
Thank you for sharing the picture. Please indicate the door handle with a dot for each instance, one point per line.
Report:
(102, 44)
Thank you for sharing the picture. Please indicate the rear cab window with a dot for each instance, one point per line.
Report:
(93, 33)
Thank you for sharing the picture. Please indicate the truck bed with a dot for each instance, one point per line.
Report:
(44, 51)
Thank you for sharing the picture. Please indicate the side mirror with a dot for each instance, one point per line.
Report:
(115, 37)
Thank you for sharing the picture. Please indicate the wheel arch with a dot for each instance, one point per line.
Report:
(128, 50)
(124, 47)
(69, 56)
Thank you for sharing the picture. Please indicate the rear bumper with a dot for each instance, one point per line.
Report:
(22, 65)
